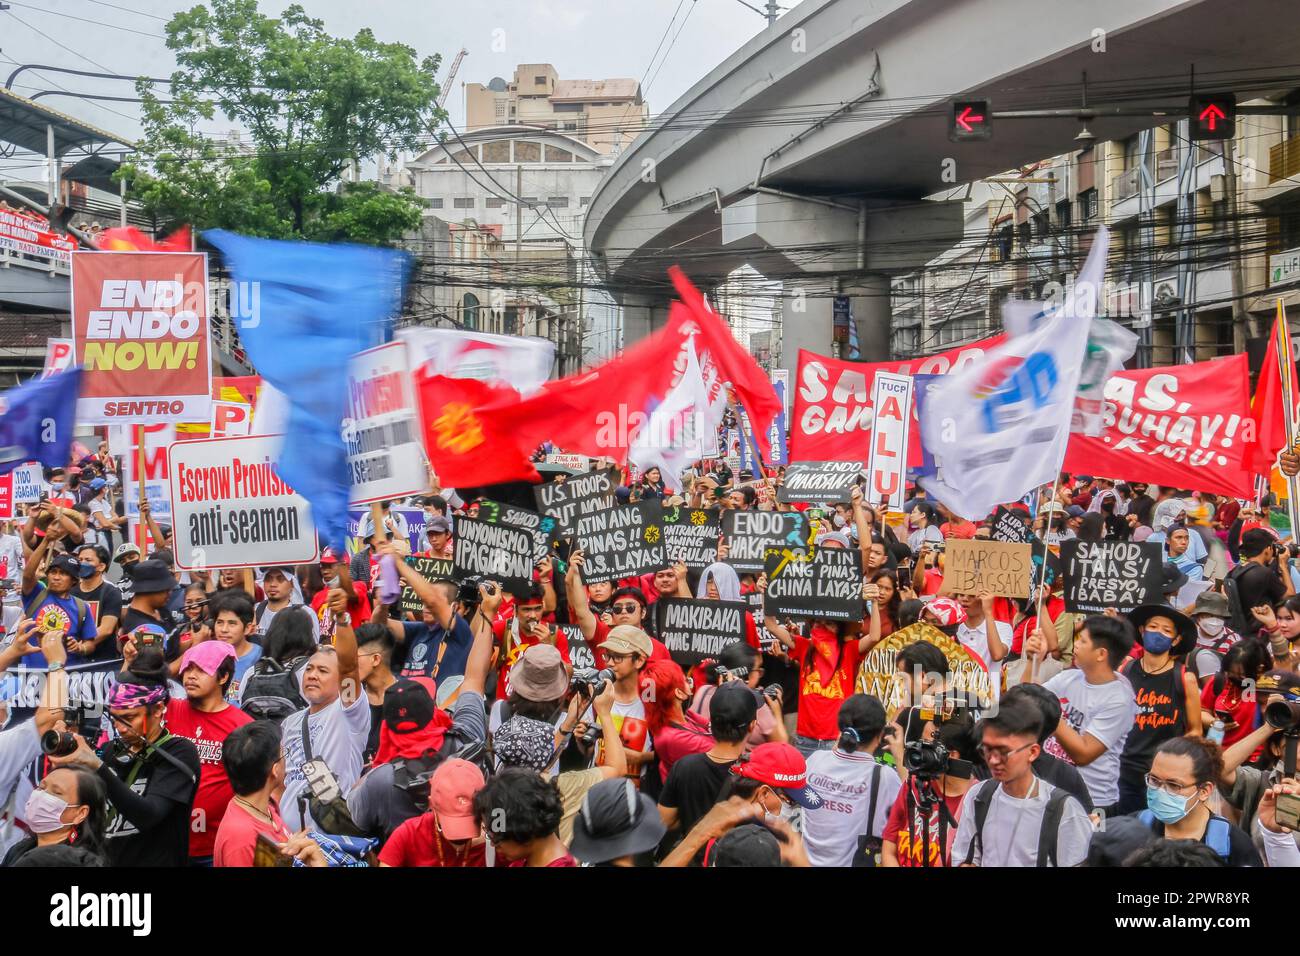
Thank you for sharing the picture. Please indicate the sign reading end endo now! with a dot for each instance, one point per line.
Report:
(230, 509)
(140, 330)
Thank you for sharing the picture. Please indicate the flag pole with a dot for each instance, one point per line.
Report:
(1038, 613)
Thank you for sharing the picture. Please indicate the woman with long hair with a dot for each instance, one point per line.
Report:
(890, 598)
(66, 810)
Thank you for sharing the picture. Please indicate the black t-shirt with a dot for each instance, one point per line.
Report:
(1241, 851)
(1258, 584)
(1063, 776)
(134, 620)
(105, 601)
(1142, 506)
(692, 788)
(150, 821)
(372, 742)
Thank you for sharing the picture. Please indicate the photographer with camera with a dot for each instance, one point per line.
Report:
(151, 776)
(1259, 760)
(739, 661)
(436, 646)
(939, 747)
(1015, 818)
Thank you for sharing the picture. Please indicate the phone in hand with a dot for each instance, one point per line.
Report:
(1288, 810)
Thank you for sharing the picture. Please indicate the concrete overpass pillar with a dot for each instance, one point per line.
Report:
(642, 314)
(807, 316)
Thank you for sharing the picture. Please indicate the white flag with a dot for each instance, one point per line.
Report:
(520, 362)
(684, 426)
(999, 426)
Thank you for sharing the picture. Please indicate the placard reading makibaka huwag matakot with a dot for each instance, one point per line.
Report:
(230, 509)
(694, 630)
(382, 431)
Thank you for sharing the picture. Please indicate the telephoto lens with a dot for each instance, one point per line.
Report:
(57, 743)
(1283, 714)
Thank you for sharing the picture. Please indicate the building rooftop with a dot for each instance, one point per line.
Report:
(23, 123)
(581, 90)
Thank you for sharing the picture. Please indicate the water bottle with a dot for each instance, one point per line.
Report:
(1215, 732)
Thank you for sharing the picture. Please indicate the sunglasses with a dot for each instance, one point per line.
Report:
(629, 608)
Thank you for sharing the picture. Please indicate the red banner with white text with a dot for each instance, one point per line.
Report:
(833, 415)
(1184, 426)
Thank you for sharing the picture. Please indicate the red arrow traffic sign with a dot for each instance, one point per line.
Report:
(1211, 114)
(964, 119)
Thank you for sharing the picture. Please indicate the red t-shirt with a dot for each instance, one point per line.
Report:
(933, 582)
(1054, 606)
(237, 835)
(207, 732)
(823, 687)
(658, 650)
(673, 742)
(417, 842)
(358, 608)
(910, 840)
(516, 649)
(565, 860)
(1240, 706)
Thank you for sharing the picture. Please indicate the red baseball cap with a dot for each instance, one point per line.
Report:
(329, 556)
(781, 767)
(946, 611)
(451, 797)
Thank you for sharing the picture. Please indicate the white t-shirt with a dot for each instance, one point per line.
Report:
(338, 736)
(11, 563)
(100, 506)
(976, 638)
(268, 615)
(920, 536)
(843, 781)
(1012, 828)
(1106, 712)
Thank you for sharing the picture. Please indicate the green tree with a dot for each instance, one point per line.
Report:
(311, 105)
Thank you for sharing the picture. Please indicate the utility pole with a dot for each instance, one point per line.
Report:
(1240, 317)
(771, 12)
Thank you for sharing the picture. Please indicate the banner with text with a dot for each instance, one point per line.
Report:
(694, 630)
(819, 482)
(749, 535)
(691, 536)
(826, 586)
(542, 526)
(622, 542)
(382, 429)
(431, 569)
(887, 464)
(1105, 574)
(27, 482)
(998, 567)
(568, 498)
(498, 552)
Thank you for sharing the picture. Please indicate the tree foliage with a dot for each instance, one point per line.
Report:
(308, 105)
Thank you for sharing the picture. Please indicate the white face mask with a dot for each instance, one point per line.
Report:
(1211, 626)
(43, 812)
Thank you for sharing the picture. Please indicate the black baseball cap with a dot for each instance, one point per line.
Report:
(615, 820)
(733, 704)
(746, 845)
(408, 706)
(65, 563)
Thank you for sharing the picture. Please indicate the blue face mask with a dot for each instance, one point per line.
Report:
(85, 570)
(1167, 807)
(1157, 643)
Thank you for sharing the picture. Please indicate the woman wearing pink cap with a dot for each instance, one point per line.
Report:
(448, 834)
(205, 719)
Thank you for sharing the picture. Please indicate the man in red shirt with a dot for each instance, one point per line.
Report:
(448, 834)
(206, 720)
(520, 632)
(628, 607)
(358, 606)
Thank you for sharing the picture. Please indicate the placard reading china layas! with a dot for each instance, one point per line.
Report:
(140, 331)
(232, 510)
(382, 431)
(825, 586)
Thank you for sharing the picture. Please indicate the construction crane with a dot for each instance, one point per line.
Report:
(451, 75)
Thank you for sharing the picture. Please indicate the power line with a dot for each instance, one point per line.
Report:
(98, 23)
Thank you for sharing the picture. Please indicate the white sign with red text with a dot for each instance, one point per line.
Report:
(887, 466)
(232, 509)
(382, 430)
(231, 419)
(58, 356)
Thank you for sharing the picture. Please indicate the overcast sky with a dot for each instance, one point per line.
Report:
(584, 39)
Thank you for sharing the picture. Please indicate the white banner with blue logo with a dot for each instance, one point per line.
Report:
(999, 427)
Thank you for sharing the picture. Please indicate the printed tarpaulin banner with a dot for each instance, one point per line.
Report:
(1186, 426)
(833, 411)
(140, 330)
(521, 362)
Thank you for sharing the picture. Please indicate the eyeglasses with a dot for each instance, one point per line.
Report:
(1000, 754)
(195, 606)
(616, 658)
(629, 608)
(1168, 786)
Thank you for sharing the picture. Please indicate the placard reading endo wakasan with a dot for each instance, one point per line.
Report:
(232, 510)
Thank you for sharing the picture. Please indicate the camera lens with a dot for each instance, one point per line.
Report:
(56, 743)
(1283, 714)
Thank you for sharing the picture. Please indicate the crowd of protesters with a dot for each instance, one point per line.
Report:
(288, 716)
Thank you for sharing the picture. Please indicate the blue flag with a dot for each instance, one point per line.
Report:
(37, 419)
(318, 306)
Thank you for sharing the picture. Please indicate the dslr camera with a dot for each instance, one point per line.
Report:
(588, 682)
(82, 719)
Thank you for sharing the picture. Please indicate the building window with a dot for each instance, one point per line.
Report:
(530, 200)
(463, 203)
(568, 107)
(584, 201)
(1088, 204)
(526, 152)
(558, 202)
(497, 151)
(469, 311)
(556, 155)
(493, 202)
(539, 81)
(435, 203)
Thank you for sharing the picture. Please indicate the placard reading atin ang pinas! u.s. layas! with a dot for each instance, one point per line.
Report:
(231, 509)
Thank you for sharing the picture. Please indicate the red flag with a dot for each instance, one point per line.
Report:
(1269, 406)
(467, 445)
(131, 239)
(1184, 426)
(749, 383)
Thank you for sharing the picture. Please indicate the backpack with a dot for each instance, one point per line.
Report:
(1217, 832)
(258, 610)
(1242, 621)
(270, 691)
(1047, 833)
(1218, 649)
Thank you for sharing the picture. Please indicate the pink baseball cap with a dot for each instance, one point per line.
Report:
(207, 656)
(451, 797)
(946, 611)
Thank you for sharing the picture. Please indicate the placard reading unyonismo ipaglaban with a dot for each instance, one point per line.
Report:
(691, 535)
(1118, 574)
(431, 569)
(498, 552)
(750, 533)
(570, 498)
(497, 512)
(231, 509)
(998, 567)
(819, 482)
(382, 431)
(695, 630)
(622, 541)
(824, 586)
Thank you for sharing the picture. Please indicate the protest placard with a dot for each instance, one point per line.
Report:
(819, 482)
(887, 465)
(1118, 574)
(498, 552)
(967, 678)
(230, 419)
(580, 653)
(58, 357)
(998, 567)
(27, 480)
(542, 526)
(359, 520)
(382, 430)
(826, 585)
(431, 569)
(7, 497)
(568, 498)
(232, 509)
(695, 630)
(1010, 526)
(140, 331)
(691, 535)
(750, 533)
(622, 542)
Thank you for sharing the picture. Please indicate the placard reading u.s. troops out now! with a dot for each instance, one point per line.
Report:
(622, 542)
(569, 498)
(695, 630)
(691, 535)
(750, 533)
(498, 552)
(826, 585)
(431, 569)
(819, 482)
